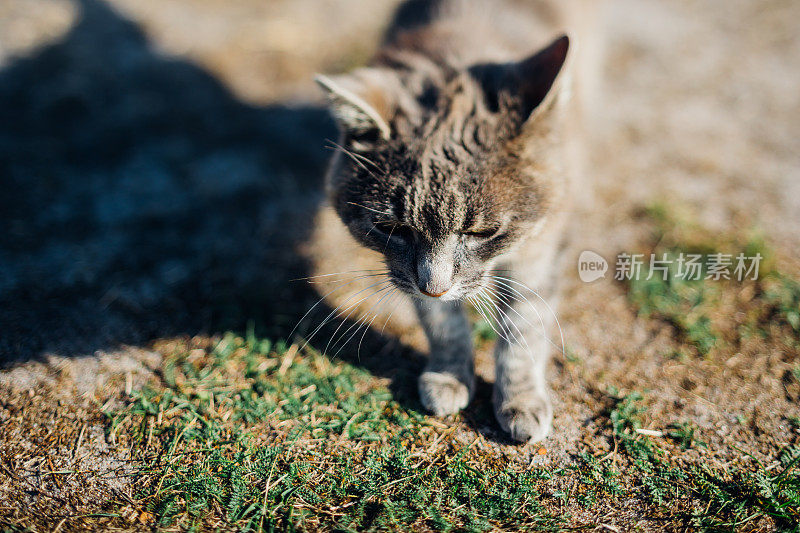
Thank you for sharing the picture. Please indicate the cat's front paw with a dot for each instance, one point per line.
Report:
(527, 418)
(443, 393)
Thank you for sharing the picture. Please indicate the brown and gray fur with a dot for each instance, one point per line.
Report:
(454, 161)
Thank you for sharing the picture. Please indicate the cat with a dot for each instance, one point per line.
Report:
(453, 163)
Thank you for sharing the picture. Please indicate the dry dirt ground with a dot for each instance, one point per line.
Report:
(159, 162)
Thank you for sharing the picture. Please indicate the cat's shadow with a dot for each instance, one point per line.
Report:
(141, 199)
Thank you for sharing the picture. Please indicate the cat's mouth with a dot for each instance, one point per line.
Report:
(433, 294)
(446, 296)
(455, 292)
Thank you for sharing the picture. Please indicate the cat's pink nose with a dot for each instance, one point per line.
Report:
(433, 294)
(435, 272)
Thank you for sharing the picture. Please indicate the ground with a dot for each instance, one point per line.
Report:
(159, 162)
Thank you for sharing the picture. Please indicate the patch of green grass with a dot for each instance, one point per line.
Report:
(246, 383)
(684, 303)
(694, 307)
(678, 302)
(253, 436)
(723, 499)
(278, 487)
(659, 481)
(248, 435)
(737, 497)
(596, 479)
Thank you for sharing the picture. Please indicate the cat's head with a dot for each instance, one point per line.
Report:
(444, 170)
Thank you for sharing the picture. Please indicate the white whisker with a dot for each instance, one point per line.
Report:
(291, 333)
(392, 294)
(369, 209)
(507, 320)
(393, 310)
(340, 273)
(325, 278)
(356, 159)
(353, 154)
(507, 291)
(344, 320)
(492, 307)
(480, 310)
(503, 296)
(360, 323)
(338, 307)
(560, 330)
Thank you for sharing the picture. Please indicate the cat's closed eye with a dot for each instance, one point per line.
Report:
(481, 234)
(393, 229)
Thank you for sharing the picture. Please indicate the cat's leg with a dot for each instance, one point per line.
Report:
(521, 397)
(448, 382)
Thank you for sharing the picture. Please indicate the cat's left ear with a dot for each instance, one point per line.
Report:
(527, 88)
(359, 104)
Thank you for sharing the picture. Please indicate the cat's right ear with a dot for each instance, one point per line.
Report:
(359, 118)
(526, 89)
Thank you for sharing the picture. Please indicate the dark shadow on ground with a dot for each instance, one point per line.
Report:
(140, 199)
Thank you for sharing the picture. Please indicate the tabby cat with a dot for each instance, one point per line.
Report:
(452, 167)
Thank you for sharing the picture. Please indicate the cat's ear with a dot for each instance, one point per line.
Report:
(528, 87)
(357, 105)
(537, 76)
